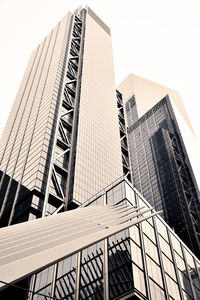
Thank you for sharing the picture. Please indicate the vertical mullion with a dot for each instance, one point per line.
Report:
(78, 275)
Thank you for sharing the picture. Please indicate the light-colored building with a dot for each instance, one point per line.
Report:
(61, 143)
(65, 146)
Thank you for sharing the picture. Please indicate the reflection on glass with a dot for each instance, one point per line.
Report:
(119, 265)
(185, 282)
(43, 282)
(66, 278)
(127, 263)
(91, 281)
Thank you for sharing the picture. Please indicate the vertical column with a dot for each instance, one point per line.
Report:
(105, 263)
(63, 150)
(123, 138)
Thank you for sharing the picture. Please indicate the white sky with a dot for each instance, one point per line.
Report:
(156, 39)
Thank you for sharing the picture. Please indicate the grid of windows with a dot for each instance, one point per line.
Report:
(98, 151)
(26, 144)
(160, 169)
(146, 260)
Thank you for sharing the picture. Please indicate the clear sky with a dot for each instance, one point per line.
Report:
(156, 39)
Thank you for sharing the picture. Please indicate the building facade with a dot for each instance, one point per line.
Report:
(144, 261)
(65, 146)
(61, 143)
(161, 168)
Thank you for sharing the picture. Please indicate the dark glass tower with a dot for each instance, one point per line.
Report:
(160, 165)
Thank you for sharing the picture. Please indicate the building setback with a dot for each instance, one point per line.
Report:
(161, 168)
(64, 147)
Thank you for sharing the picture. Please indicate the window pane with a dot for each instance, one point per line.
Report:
(119, 265)
(154, 271)
(66, 277)
(136, 255)
(138, 277)
(134, 234)
(91, 279)
(148, 230)
(172, 288)
(165, 248)
(43, 282)
(151, 249)
(156, 291)
(169, 267)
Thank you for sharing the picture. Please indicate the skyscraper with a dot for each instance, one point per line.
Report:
(160, 164)
(65, 146)
(61, 143)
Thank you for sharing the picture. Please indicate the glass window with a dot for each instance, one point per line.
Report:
(186, 296)
(119, 265)
(162, 230)
(195, 279)
(154, 271)
(176, 244)
(43, 282)
(185, 283)
(91, 278)
(122, 236)
(148, 230)
(172, 288)
(189, 259)
(197, 291)
(151, 249)
(134, 234)
(169, 267)
(66, 278)
(136, 255)
(198, 265)
(130, 194)
(165, 247)
(116, 194)
(156, 291)
(139, 282)
(180, 262)
(100, 201)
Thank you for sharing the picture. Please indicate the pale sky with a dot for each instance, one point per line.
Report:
(156, 39)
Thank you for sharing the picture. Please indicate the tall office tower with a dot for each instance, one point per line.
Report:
(65, 145)
(161, 169)
(61, 144)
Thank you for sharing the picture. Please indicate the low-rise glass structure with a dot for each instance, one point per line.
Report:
(146, 261)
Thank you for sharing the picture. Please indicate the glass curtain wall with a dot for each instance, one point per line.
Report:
(146, 261)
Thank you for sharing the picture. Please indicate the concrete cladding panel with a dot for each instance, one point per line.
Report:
(98, 157)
